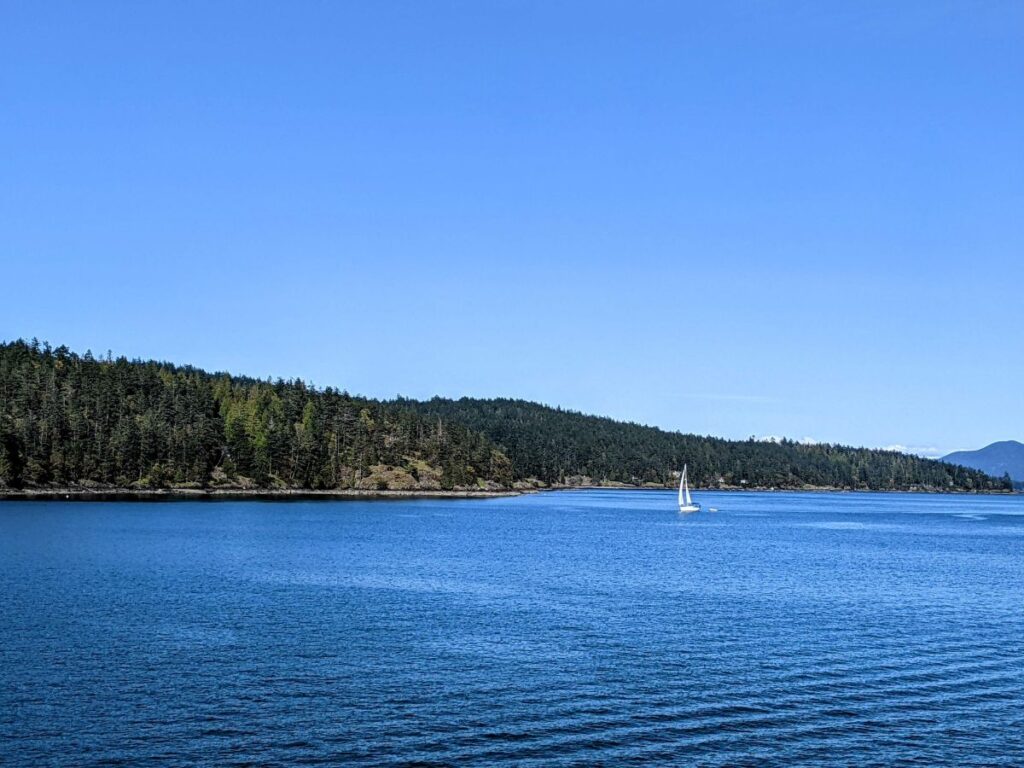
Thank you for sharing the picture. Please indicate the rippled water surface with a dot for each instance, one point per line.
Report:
(571, 628)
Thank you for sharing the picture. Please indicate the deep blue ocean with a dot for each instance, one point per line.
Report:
(570, 628)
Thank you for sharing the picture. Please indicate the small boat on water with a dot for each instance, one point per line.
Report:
(686, 504)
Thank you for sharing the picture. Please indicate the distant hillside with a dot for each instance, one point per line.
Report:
(76, 420)
(1002, 458)
(559, 446)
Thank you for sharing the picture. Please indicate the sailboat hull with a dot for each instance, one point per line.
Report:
(689, 508)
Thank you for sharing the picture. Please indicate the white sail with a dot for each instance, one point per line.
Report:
(685, 502)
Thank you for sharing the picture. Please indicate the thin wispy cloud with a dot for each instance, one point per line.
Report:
(779, 439)
(925, 451)
(729, 397)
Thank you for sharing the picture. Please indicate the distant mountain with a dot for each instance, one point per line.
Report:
(998, 459)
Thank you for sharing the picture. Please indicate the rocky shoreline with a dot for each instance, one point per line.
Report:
(234, 494)
(294, 494)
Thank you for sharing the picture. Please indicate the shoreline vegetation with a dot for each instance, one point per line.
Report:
(75, 424)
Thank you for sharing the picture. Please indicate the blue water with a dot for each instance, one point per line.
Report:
(571, 628)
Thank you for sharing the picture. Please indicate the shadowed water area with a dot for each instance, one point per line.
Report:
(572, 628)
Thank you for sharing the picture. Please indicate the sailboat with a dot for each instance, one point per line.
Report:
(686, 504)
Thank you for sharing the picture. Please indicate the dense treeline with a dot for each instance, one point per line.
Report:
(559, 446)
(68, 420)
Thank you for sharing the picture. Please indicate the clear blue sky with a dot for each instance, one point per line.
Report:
(801, 219)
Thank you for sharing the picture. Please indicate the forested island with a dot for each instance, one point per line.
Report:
(70, 421)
